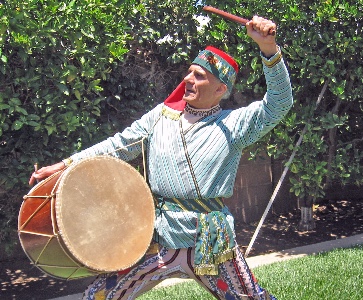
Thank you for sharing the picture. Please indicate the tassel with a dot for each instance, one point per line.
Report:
(206, 270)
(224, 256)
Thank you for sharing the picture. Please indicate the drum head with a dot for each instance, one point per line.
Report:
(105, 213)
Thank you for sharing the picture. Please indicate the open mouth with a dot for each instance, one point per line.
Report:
(189, 91)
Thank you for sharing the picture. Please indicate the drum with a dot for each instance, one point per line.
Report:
(94, 217)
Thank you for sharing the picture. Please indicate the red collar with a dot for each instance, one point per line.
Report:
(175, 99)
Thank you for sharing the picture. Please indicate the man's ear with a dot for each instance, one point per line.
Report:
(221, 89)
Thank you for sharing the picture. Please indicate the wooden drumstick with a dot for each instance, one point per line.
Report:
(36, 169)
(231, 17)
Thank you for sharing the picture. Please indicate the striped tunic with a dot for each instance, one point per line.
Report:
(200, 162)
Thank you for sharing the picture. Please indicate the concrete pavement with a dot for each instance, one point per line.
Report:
(256, 261)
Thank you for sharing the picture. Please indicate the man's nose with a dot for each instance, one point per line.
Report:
(189, 77)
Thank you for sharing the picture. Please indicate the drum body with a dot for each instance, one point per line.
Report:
(96, 216)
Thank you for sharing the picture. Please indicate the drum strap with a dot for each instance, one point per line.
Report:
(189, 160)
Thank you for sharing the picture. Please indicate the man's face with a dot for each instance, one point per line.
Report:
(203, 89)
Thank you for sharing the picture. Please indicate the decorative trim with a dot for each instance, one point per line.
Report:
(218, 66)
(274, 60)
(179, 203)
(170, 113)
(195, 205)
(202, 112)
(219, 201)
(212, 269)
(206, 270)
(206, 208)
(224, 256)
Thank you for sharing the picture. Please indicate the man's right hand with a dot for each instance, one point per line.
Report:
(45, 172)
(258, 29)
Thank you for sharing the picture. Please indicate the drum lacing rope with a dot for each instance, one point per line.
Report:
(45, 197)
(38, 208)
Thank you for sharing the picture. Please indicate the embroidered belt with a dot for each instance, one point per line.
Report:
(214, 240)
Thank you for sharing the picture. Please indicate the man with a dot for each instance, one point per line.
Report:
(193, 152)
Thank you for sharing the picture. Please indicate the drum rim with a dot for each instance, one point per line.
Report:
(44, 181)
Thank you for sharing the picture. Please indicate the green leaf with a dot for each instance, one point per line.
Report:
(63, 88)
(32, 123)
(251, 78)
(333, 19)
(118, 50)
(15, 101)
(293, 168)
(50, 129)
(4, 106)
(254, 63)
(33, 117)
(21, 110)
(87, 33)
(77, 94)
(17, 125)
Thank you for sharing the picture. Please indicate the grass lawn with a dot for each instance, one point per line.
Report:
(334, 275)
(181, 291)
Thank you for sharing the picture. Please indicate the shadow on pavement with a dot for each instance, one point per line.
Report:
(20, 280)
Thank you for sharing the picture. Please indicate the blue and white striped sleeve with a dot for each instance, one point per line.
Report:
(126, 145)
(257, 119)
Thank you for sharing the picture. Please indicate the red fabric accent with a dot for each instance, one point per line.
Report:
(123, 272)
(225, 56)
(175, 99)
(222, 285)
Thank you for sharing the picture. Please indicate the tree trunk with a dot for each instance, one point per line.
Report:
(307, 222)
(332, 142)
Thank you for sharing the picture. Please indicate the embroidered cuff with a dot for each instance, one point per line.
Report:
(272, 61)
(67, 162)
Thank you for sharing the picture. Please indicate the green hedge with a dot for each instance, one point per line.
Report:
(56, 58)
